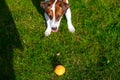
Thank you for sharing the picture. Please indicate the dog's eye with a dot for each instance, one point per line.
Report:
(60, 5)
(50, 16)
(49, 4)
(58, 17)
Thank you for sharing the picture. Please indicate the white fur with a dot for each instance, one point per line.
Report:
(53, 23)
(69, 22)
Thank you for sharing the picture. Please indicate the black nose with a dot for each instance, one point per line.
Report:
(54, 28)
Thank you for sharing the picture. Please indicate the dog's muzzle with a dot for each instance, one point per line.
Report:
(54, 29)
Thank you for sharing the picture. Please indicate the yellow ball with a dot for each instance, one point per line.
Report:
(59, 70)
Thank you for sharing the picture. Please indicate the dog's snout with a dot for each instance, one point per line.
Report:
(54, 28)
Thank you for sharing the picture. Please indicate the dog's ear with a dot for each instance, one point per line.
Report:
(65, 6)
(43, 5)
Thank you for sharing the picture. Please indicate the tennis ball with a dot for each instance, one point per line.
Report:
(59, 70)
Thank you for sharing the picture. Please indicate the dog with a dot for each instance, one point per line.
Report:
(54, 11)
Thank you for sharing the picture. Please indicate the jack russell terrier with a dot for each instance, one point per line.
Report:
(54, 10)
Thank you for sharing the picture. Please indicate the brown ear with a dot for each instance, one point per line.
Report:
(65, 6)
(43, 5)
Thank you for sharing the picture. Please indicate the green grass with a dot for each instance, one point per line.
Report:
(91, 53)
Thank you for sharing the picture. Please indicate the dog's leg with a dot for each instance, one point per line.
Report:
(69, 22)
(48, 29)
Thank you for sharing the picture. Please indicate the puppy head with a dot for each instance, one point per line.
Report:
(54, 9)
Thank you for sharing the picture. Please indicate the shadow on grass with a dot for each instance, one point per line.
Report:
(9, 39)
(55, 60)
(36, 3)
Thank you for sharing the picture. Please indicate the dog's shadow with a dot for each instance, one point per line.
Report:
(36, 3)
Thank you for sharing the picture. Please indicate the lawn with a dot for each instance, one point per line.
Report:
(91, 53)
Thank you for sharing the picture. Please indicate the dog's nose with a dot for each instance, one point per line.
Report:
(54, 28)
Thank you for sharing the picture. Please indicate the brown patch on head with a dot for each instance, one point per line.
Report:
(60, 8)
(47, 7)
(64, 1)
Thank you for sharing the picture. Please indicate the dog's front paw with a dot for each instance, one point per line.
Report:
(47, 32)
(71, 28)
